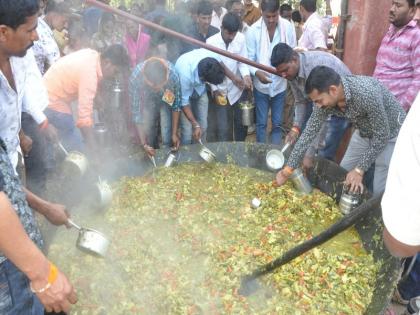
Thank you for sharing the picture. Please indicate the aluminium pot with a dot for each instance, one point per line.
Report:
(248, 115)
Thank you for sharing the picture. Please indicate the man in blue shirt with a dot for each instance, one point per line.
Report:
(195, 69)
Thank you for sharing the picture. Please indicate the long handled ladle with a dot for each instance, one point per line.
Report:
(249, 283)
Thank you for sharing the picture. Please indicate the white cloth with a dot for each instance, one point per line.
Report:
(45, 49)
(401, 202)
(260, 49)
(216, 20)
(313, 35)
(30, 96)
(237, 47)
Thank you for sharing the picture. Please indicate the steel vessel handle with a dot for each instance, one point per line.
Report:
(286, 146)
(152, 158)
(60, 145)
(69, 221)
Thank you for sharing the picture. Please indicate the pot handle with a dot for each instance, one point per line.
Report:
(69, 221)
(286, 146)
(60, 145)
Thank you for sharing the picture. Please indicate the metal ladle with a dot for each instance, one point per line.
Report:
(206, 154)
(74, 160)
(90, 241)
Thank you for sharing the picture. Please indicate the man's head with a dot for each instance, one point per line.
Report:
(155, 73)
(57, 14)
(113, 60)
(417, 15)
(204, 13)
(210, 70)
(248, 3)
(18, 22)
(401, 12)
(231, 24)
(285, 60)
(107, 23)
(286, 11)
(236, 7)
(306, 8)
(270, 12)
(323, 87)
(217, 4)
(296, 17)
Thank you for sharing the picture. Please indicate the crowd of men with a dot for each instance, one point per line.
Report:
(57, 59)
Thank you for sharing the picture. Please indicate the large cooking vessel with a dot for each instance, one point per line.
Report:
(325, 175)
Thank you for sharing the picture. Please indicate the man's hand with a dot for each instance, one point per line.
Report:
(149, 150)
(354, 181)
(292, 136)
(50, 133)
(25, 144)
(239, 82)
(59, 296)
(281, 178)
(196, 132)
(56, 213)
(248, 82)
(176, 142)
(263, 77)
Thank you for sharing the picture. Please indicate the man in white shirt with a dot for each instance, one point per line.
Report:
(269, 89)
(313, 36)
(231, 40)
(218, 13)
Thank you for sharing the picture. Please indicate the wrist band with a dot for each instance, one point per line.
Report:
(52, 276)
(359, 171)
(44, 124)
(196, 126)
(296, 129)
(287, 171)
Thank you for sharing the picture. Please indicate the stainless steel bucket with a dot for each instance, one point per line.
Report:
(206, 154)
(248, 117)
(101, 133)
(348, 201)
(300, 182)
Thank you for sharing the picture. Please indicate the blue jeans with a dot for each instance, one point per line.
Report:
(150, 119)
(263, 103)
(336, 127)
(68, 133)
(199, 107)
(16, 297)
(410, 287)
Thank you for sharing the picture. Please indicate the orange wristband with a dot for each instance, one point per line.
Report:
(287, 171)
(52, 276)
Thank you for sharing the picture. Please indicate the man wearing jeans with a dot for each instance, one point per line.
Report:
(269, 89)
(155, 95)
(195, 68)
(375, 113)
(75, 78)
(296, 67)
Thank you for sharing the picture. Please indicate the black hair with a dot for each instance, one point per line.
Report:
(282, 53)
(155, 70)
(211, 70)
(411, 3)
(229, 4)
(296, 17)
(285, 7)
(204, 8)
(117, 55)
(14, 13)
(62, 8)
(308, 5)
(321, 78)
(231, 22)
(270, 5)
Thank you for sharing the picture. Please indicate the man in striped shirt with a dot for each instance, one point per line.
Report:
(398, 59)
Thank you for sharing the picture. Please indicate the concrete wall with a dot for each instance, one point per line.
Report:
(365, 29)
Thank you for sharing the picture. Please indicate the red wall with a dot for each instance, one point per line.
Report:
(365, 29)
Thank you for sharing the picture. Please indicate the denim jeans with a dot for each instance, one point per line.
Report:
(16, 297)
(263, 103)
(150, 119)
(199, 107)
(69, 135)
(410, 287)
(336, 127)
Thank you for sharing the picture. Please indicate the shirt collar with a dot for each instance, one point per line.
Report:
(311, 17)
(394, 30)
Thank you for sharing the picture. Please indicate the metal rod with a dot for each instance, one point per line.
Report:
(69, 221)
(180, 36)
(60, 145)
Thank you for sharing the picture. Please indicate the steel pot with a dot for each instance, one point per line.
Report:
(91, 241)
(247, 110)
(103, 193)
(75, 162)
(172, 158)
(301, 183)
(275, 158)
(348, 201)
(206, 154)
